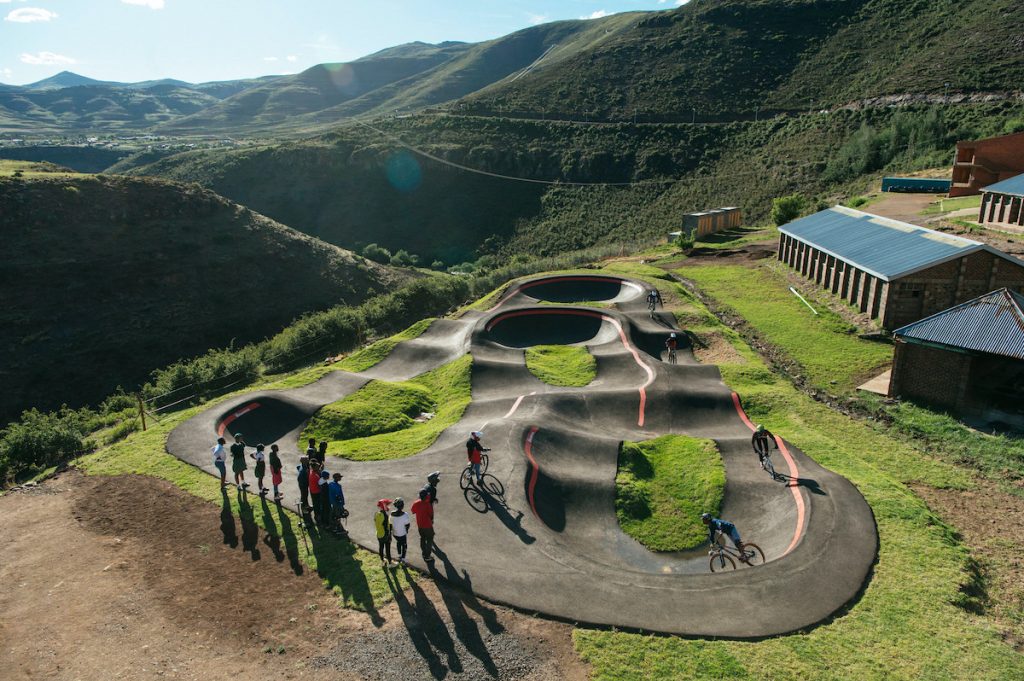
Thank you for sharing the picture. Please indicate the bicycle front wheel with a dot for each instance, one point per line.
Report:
(484, 461)
(466, 479)
(721, 562)
(753, 554)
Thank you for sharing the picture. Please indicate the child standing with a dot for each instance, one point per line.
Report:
(238, 461)
(275, 472)
(303, 480)
(314, 491)
(400, 522)
(337, 500)
(382, 521)
(260, 469)
(220, 457)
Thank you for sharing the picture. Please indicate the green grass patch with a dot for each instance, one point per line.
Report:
(564, 365)
(662, 487)
(912, 622)
(355, 575)
(949, 205)
(365, 426)
(826, 345)
(375, 353)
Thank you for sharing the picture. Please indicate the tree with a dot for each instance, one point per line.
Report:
(404, 259)
(787, 208)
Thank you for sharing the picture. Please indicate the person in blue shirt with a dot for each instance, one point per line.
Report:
(716, 525)
(337, 498)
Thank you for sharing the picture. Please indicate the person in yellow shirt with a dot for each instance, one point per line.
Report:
(382, 521)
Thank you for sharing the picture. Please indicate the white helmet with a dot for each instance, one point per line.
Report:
(673, 335)
(477, 434)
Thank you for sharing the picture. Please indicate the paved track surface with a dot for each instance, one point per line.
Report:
(547, 538)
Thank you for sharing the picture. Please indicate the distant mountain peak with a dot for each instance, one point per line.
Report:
(64, 79)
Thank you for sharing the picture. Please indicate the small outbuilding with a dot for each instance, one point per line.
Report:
(1001, 205)
(696, 225)
(894, 271)
(969, 358)
(980, 163)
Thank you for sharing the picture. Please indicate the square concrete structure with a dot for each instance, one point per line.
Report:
(696, 225)
(894, 271)
(980, 163)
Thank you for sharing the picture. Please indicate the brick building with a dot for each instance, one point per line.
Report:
(1001, 205)
(980, 163)
(894, 271)
(969, 358)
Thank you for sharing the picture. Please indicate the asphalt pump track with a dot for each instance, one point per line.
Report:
(545, 538)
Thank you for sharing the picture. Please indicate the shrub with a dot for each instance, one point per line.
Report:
(685, 241)
(41, 439)
(404, 259)
(787, 208)
(377, 254)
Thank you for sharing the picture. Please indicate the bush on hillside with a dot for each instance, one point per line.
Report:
(402, 258)
(377, 254)
(41, 439)
(787, 208)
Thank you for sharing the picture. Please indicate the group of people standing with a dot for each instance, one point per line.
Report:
(239, 465)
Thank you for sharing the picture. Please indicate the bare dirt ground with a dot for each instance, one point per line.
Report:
(992, 524)
(132, 578)
(905, 207)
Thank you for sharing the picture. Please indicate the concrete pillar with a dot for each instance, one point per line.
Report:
(874, 303)
(854, 286)
(984, 205)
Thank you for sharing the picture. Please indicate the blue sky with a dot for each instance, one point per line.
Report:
(202, 40)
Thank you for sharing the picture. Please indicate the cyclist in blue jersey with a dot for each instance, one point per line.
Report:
(716, 525)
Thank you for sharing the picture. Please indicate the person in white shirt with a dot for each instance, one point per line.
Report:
(260, 469)
(220, 457)
(400, 522)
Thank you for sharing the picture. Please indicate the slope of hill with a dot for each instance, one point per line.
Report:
(357, 185)
(106, 278)
(728, 58)
(277, 103)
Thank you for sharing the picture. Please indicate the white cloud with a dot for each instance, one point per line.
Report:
(680, 3)
(30, 15)
(152, 4)
(596, 15)
(535, 19)
(270, 59)
(292, 57)
(46, 59)
(6, 73)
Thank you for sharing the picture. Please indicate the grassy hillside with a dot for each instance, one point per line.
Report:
(106, 278)
(356, 186)
(728, 58)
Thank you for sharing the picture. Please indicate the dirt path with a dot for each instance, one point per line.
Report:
(132, 578)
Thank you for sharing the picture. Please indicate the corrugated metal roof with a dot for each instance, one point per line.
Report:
(992, 323)
(886, 248)
(1014, 186)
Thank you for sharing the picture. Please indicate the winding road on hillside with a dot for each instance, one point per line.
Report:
(552, 543)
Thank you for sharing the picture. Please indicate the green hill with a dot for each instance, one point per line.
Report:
(728, 58)
(105, 278)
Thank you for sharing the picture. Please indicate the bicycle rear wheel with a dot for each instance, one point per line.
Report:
(466, 479)
(754, 554)
(721, 562)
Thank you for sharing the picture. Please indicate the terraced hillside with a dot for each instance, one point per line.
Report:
(106, 278)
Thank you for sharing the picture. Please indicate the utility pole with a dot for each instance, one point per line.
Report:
(756, 110)
(142, 410)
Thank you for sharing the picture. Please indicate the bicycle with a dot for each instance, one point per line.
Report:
(671, 355)
(724, 557)
(466, 480)
(766, 464)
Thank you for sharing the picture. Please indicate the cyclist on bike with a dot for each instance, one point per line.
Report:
(672, 344)
(763, 442)
(474, 451)
(652, 299)
(431, 486)
(717, 525)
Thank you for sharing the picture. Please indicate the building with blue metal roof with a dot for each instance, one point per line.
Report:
(968, 357)
(1001, 205)
(894, 271)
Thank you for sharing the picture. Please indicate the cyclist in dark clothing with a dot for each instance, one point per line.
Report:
(431, 486)
(716, 525)
(763, 442)
(303, 480)
(474, 450)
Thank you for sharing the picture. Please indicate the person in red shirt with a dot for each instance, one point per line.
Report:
(314, 491)
(424, 512)
(474, 452)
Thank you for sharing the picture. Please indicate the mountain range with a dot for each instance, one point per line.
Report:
(706, 61)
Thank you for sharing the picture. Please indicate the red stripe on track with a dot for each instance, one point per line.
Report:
(611, 320)
(222, 426)
(794, 474)
(534, 469)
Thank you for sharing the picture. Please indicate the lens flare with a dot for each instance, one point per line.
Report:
(403, 172)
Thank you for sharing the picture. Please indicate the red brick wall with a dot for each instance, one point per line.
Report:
(929, 375)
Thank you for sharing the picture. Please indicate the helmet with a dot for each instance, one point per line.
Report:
(399, 503)
(759, 428)
(477, 434)
(238, 436)
(434, 477)
(383, 504)
(705, 517)
(673, 335)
